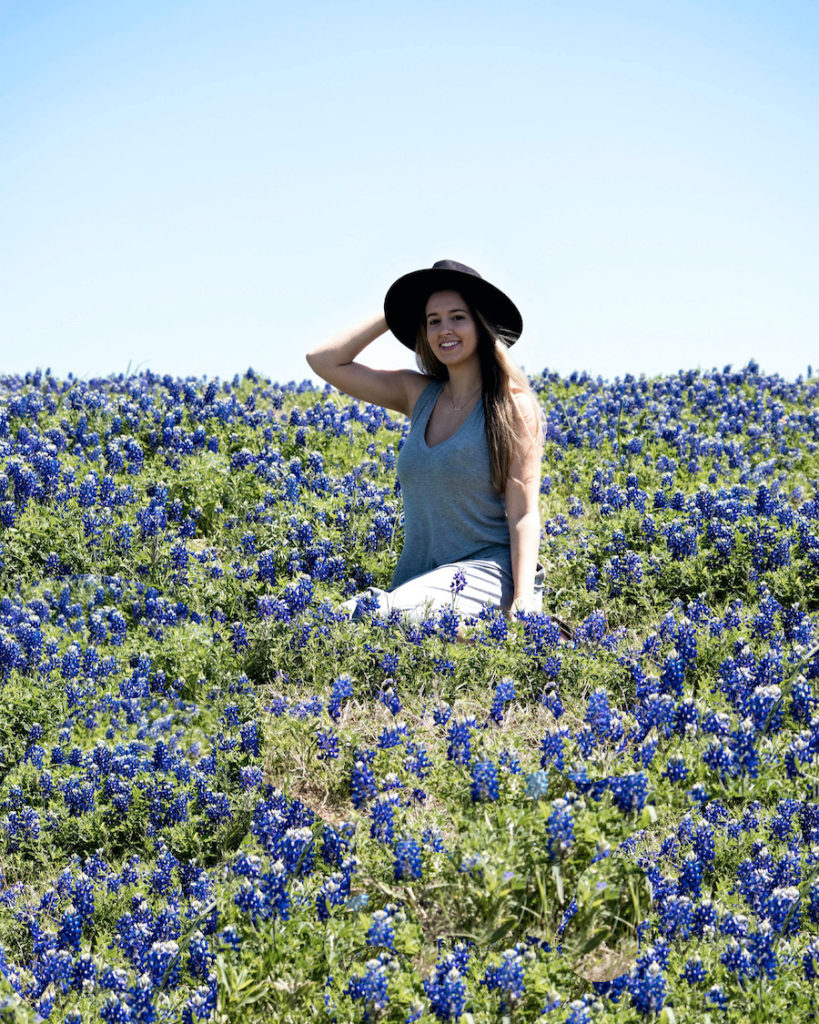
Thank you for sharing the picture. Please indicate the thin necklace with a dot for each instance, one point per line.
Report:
(470, 396)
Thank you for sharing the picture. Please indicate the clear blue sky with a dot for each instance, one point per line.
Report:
(205, 186)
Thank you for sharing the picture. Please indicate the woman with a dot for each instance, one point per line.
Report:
(470, 466)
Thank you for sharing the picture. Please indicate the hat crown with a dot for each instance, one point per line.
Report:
(454, 265)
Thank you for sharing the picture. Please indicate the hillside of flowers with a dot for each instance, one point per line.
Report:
(222, 800)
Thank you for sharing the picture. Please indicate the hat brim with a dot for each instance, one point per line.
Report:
(405, 301)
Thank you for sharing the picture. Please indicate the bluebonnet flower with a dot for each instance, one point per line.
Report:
(686, 642)
(78, 797)
(694, 972)
(504, 692)
(71, 662)
(382, 815)
(644, 753)
(407, 860)
(239, 636)
(362, 783)
(484, 781)
(392, 737)
(116, 1010)
(560, 827)
(783, 909)
(8, 513)
(298, 850)
(458, 582)
(68, 936)
(445, 987)
(381, 931)
(623, 570)
(251, 777)
(266, 896)
(83, 897)
(230, 715)
(704, 845)
(673, 674)
(676, 770)
(161, 878)
(21, 826)
(327, 743)
(551, 747)
(371, 987)
(159, 959)
(810, 961)
(509, 760)
(459, 733)
(508, 977)
(737, 959)
(629, 791)
(681, 540)
(676, 916)
(579, 1012)
(432, 837)
(761, 952)
(593, 628)
(686, 717)
(600, 717)
(647, 988)
(690, 880)
(333, 893)
(495, 627)
(390, 699)
(200, 955)
(250, 738)
(803, 700)
(389, 663)
(342, 690)
(735, 925)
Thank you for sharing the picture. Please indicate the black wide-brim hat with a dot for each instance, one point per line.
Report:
(405, 301)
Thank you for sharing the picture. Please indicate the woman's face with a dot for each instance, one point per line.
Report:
(451, 330)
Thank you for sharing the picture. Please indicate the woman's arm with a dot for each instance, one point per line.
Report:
(522, 511)
(334, 361)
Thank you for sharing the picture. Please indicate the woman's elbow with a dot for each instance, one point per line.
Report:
(317, 364)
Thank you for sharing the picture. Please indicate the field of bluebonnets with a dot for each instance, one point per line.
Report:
(223, 801)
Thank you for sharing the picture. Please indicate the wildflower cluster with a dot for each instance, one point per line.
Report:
(212, 772)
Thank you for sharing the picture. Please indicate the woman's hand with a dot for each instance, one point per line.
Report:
(526, 604)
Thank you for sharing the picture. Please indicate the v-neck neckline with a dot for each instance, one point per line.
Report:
(458, 429)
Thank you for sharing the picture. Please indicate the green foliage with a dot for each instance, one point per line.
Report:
(493, 876)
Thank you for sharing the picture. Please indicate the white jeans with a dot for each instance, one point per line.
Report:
(486, 582)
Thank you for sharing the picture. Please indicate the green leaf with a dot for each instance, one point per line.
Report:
(502, 930)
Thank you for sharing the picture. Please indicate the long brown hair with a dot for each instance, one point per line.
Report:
(506, 429)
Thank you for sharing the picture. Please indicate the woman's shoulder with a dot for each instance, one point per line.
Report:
(422, 386)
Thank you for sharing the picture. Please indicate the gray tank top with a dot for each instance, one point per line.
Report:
(451, 510)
